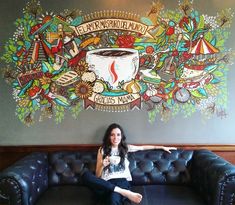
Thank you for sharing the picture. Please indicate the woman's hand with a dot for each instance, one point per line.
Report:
(106, 161)
(167, 149)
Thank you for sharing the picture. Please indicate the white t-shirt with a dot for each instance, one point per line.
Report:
(114, 170)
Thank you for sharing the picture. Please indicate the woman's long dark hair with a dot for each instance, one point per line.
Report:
(122, 147)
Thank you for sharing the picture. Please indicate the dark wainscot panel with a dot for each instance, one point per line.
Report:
(10, 154)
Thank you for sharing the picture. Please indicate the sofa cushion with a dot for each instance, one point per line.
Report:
(152, 194)
(171, 195)
(67, 195)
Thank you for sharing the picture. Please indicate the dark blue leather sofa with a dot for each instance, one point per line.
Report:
(181, 178)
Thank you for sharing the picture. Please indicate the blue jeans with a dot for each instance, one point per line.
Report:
(104, 190)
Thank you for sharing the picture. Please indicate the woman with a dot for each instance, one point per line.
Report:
(112, 167)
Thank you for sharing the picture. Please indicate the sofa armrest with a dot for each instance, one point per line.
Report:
(213, 177)
(23, 182)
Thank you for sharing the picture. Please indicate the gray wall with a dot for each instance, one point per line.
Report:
(90, 126)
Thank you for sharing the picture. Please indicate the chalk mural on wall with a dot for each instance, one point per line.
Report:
(168, 62)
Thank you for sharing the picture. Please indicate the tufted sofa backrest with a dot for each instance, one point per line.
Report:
(147, 167)
(160, 167)
(65, 167)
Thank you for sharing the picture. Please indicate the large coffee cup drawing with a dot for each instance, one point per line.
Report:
(114, 65)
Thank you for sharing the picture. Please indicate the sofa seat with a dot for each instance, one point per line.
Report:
(61, 195)
(170, 195)
(152, 194)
